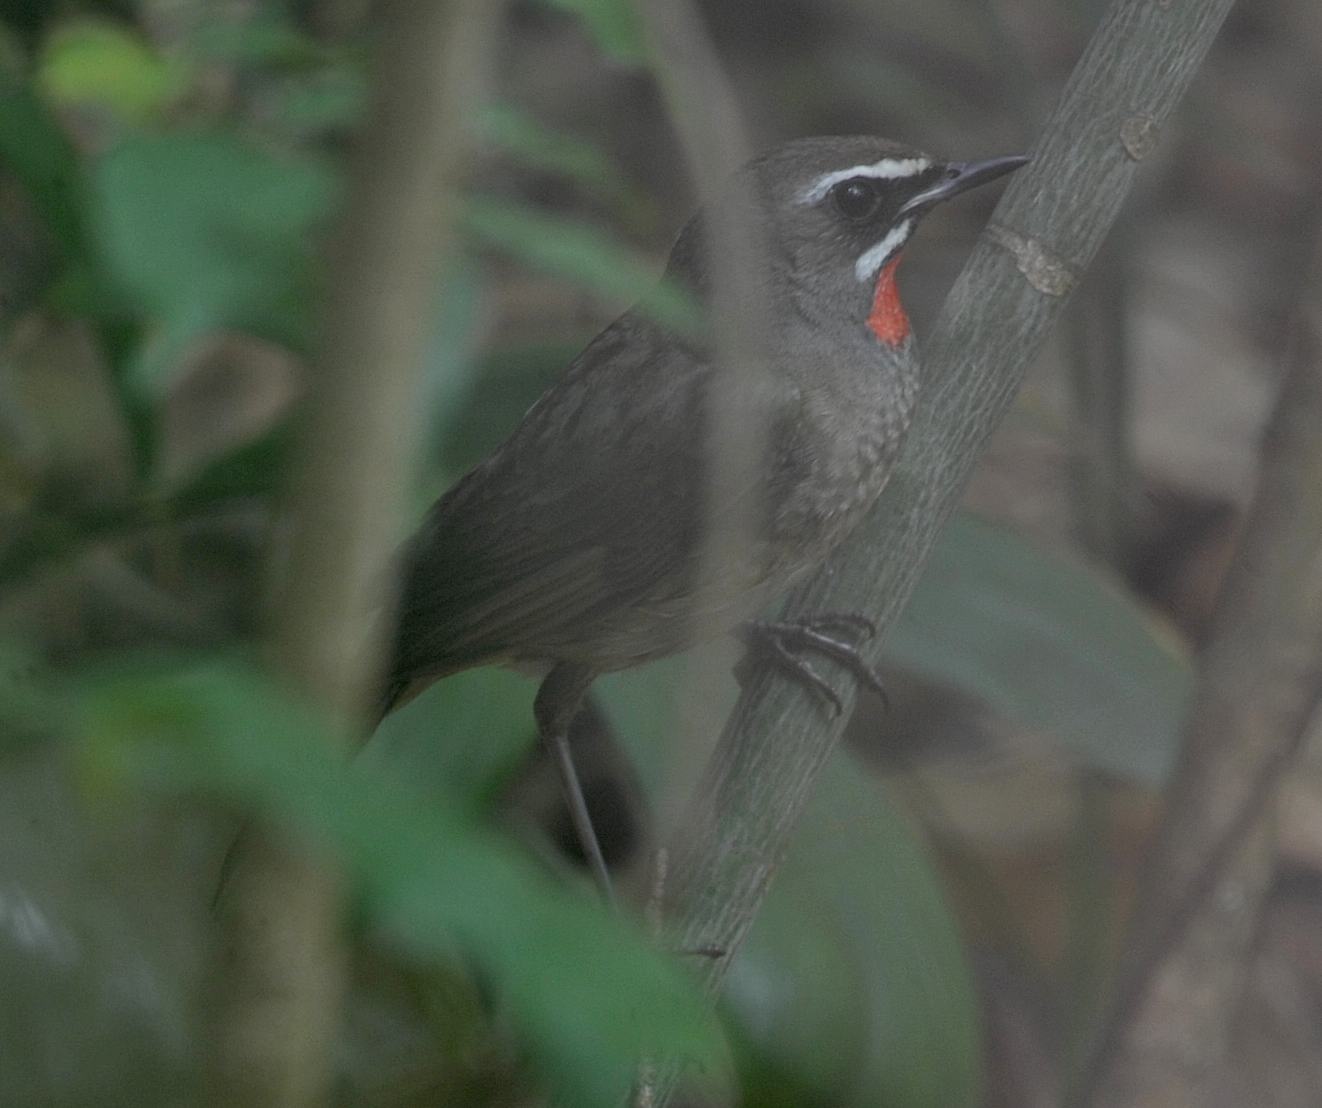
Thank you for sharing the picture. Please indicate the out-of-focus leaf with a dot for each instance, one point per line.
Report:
(585, 254)
(207, 231)
(588, 998)
(255, 468)
(464, 736)
(1050, 642)
(454, 364)
(50, 539)
(642, 705)
(853, 988)
(265, 36)
(103, 937)
(553, 151)
(35, 150)
(96, 62)
(320, 102)
(28, 710)
(613, 24)
(59, 385)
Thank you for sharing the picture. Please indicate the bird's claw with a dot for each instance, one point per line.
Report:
(785, 642)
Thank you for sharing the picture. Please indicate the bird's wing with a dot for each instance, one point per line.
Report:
(594, 498)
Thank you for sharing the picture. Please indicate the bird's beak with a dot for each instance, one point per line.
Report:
(960, 177)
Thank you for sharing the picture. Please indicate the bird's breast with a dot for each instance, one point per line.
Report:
(855, 425)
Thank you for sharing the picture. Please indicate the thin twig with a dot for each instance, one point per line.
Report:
(281, 973)
(1044, 233)
(644, 1094)
(1259, 686)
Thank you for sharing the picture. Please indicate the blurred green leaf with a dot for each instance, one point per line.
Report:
(613, 24)
(36, 151)
(464, 736)
(327, 100)
(261, 36)
(585, 254)
(255, 468)
(454, 363)
(853, 989)
(588, 997)
(1052, 643)
(49, 539)
(28, 710)
(207, 231)
(553, 151)
(643, 706)
(96, 62)
(102, 935)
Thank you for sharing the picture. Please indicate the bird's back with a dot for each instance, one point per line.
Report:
(579, 538)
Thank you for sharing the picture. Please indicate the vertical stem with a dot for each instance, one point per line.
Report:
(281, 976)
(704, 112)
(1259, 687)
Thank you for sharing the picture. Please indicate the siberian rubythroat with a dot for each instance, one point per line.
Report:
(576, 547)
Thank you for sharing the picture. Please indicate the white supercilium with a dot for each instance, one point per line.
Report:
(888, 169)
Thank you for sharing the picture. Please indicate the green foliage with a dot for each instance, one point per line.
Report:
(39, 155)
(206, 231)
(107, 65)
(465, 735)
(853, 989)
(614, 25)
(1051, 642)
(587, 255)
(264, 39)
(28, 712)
(588, 997)
(542, 148)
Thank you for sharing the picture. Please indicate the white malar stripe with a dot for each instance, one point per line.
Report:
(888, 169)
(874, 257)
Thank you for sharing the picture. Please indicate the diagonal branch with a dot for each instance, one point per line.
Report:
(1045, 231)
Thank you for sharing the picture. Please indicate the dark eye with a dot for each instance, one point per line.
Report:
(857, 199)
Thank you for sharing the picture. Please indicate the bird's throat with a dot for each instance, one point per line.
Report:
(887, 320)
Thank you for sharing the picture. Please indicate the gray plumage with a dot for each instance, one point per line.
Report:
(577, 540)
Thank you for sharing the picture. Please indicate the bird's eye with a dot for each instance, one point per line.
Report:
(856, 199)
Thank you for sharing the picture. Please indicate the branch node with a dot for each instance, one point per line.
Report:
(1138, 135)
(1042, 269)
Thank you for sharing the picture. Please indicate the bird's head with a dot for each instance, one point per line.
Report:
(836, 213)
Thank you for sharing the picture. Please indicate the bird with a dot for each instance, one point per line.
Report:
(575, 547)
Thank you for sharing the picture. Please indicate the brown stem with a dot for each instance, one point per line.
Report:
(704, 112)
(281, 974)
(1259, 685)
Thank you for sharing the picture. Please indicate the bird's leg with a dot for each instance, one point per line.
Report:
(834, 635)
(558, 701)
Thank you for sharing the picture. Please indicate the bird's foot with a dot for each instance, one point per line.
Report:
(834, 635)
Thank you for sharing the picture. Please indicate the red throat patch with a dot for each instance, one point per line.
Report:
(887, 320)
